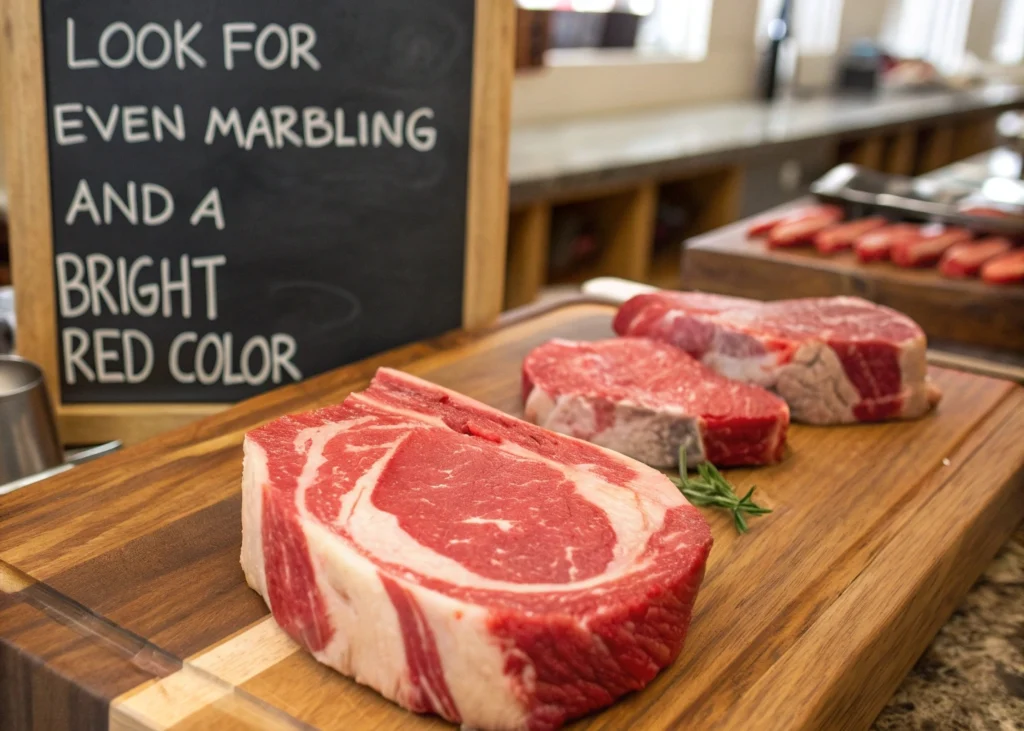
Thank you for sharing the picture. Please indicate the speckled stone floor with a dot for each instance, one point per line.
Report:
(972, 676)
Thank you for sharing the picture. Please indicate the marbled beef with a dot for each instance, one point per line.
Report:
(834, 360)
(645, 399)
(464, 562)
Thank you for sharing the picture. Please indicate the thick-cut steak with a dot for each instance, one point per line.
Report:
(645, 398)
(464, 562)
(833, 359)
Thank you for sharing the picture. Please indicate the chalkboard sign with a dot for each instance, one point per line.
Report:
(242, 195)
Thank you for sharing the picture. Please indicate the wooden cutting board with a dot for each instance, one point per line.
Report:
(965, 311)
(122, 601)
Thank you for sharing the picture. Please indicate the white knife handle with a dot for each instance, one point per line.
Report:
(615, 290)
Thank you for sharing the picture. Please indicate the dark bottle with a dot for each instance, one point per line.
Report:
(779, 31)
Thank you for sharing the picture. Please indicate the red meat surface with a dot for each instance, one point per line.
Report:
(764, 224)
(841, 236)
(646, 398)
(466, 563)
(1006, 268)
(833, 359)
(875, 245)
(928, 249)
(966, 258)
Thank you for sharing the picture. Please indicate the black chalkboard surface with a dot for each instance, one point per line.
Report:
(315, 154)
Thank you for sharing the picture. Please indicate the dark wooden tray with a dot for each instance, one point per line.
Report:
(964, 311)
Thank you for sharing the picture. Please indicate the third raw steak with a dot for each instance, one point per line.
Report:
(834, 360)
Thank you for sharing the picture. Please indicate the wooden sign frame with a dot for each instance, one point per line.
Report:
(25, 131)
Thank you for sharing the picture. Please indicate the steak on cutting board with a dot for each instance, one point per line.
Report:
(834, 360)
(645, 399)
(464, 562)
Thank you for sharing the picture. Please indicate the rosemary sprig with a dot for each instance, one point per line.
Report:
(711, 489)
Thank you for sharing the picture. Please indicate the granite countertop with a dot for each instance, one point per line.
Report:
(972, 675)
(551, 156)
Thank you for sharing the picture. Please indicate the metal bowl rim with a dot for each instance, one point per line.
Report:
(35, 382)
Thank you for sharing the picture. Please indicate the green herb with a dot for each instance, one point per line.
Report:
(710, 488)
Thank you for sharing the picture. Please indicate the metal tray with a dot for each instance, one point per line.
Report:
(917, 199)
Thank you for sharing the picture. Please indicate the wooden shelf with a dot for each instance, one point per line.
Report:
(868, 152)
(667, 269)
(900, 154)
(527, 254)
(621, 221)
(625, 225)
(934, 149)
(973, 136)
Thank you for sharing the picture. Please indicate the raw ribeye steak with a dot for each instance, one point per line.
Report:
(834, 360)
(645, 399)
(464, 562)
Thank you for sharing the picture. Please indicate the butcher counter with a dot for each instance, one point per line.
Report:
(123, 605)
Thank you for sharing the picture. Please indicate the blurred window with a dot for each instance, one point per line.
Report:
(1009, 45)
(933, 30)
(815, 24)
(679, 28)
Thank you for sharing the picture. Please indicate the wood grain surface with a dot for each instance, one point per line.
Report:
(957, 310)
(130, 565)
(487, 199)
(26, 160)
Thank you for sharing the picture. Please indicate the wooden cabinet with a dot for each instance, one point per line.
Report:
(783, 174)
(618, 229)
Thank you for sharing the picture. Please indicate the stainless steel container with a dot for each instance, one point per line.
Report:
(29, 442)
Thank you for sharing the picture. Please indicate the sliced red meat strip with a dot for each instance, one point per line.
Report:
(1004, 269)
(965, 259)
(928, 249)
(875, 245)
(764, 224)
(795, 233)
(645, 399)
(842, 235)
(761, 226)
